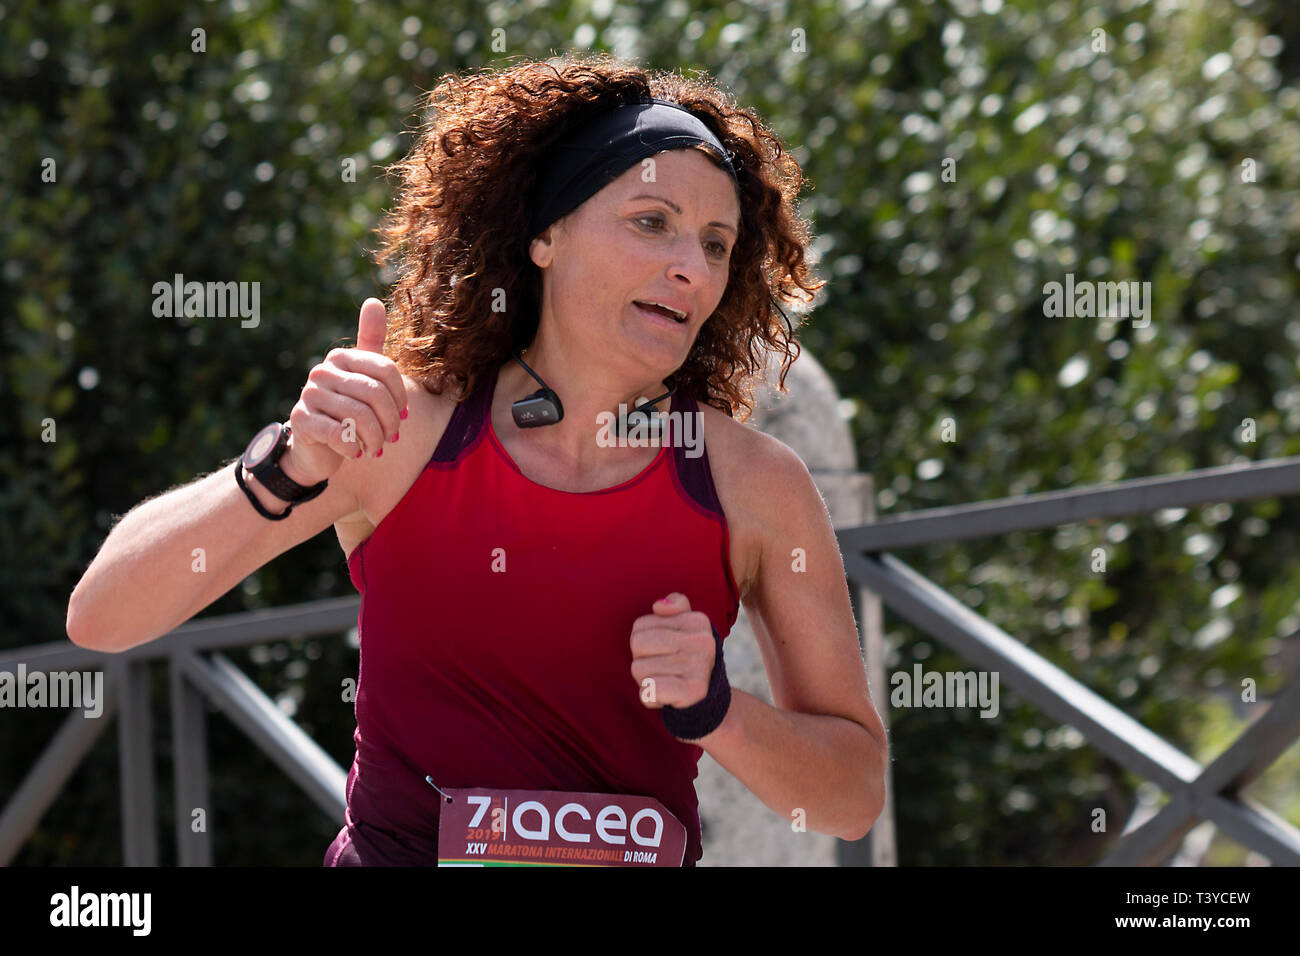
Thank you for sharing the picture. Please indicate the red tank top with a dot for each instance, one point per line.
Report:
(522, 678)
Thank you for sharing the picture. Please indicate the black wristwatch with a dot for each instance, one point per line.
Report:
(262, 459)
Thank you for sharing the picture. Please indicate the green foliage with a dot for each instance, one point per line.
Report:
(1119, 165)
(1122, 165)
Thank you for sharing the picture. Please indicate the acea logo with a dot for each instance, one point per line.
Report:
(610, 823)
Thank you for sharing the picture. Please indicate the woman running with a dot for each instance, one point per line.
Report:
(546, 576)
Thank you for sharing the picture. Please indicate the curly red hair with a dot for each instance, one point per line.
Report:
(466, 186)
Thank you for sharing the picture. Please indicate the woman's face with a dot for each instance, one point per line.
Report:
(668, 240)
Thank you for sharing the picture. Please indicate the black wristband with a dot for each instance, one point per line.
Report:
(239, 477)
(703, 717)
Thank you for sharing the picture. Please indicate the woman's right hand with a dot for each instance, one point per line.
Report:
(353, 403)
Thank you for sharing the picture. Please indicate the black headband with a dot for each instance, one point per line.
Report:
(583, 163)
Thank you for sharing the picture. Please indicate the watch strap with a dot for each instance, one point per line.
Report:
(275, 481)
(239, 478)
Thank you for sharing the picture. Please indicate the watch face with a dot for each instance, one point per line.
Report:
(261, 446)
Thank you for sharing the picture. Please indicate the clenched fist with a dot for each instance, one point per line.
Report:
(673, 650)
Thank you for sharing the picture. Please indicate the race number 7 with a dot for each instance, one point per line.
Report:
(482, 803)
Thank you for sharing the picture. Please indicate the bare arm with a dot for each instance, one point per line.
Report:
(822, 748)
(173, 555)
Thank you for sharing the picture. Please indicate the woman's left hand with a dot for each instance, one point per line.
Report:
(673, 651)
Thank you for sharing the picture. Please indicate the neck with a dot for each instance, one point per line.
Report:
(586, 389)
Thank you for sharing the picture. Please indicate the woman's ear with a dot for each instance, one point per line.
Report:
(541, 250)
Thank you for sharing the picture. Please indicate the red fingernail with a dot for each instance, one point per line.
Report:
(397, 436)
(380, 453)
(403, 412)
(360, 453)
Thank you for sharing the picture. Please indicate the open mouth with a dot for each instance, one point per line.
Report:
(661, 310)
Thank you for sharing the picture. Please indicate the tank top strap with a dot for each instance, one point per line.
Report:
(693, 473)
(466, 424)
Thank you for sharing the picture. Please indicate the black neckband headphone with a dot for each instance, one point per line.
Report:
(543, 407)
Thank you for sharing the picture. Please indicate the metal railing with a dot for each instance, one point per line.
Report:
(1197, 793)
(200, 674)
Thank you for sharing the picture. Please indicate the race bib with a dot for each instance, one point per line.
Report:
(480, 826)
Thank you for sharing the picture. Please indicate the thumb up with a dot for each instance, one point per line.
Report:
(341, 414)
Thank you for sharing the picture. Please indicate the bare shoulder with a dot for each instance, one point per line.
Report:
(378, 484)
(753, 474)
(759, 459)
